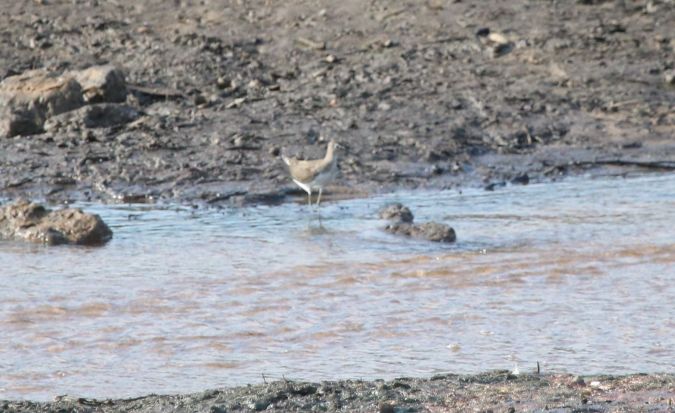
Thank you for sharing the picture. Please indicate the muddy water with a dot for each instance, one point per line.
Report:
(579, 276)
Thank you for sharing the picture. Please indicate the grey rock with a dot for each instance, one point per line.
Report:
(102, 84)
(100, 115)
(396, 212)
(24, 220)
(29, 99)
(402, 224)
(430, 231)
(434, 231)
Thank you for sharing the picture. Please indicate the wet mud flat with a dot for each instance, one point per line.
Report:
(437, 94)
(499, 391)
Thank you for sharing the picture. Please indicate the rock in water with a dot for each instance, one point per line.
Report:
(402, 224)
(24, 220)
(396, 212)
(430, 231)
(28, 99)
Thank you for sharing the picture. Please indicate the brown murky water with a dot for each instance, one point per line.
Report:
(578, 276)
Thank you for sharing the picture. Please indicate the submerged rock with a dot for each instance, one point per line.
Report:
(430, 231)
(24, 220)
(29, 99)
(402, 224)
(396, 212)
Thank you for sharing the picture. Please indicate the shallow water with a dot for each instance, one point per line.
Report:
(578, 276)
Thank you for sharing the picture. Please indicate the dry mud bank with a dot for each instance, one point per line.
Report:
(431, 93)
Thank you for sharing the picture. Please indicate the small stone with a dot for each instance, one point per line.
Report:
(498, 38)
(259, 405)
(384, 106)
(492, 186)
(435, 170)
(500, 49)
(223, 83)
(388, 43)
(523, 179)
(274, 151)
(483, 31)
(199, 99)
(386, 408)
(240, 140)
(651, 7)
(669, 77)
(254, 84)
(435, 4)
(235, 103)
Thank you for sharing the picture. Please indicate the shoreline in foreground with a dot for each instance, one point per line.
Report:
(496, 391)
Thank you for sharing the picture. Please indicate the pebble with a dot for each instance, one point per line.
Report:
(523, 179)
(483, 32)
(386, 408)
(669, 77)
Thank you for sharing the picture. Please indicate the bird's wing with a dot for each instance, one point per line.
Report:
(306, 171)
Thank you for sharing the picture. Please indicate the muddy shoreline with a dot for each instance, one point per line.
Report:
(499, 391)
(442, 95)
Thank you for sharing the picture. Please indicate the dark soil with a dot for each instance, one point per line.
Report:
(431, 93)
(489, 392)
